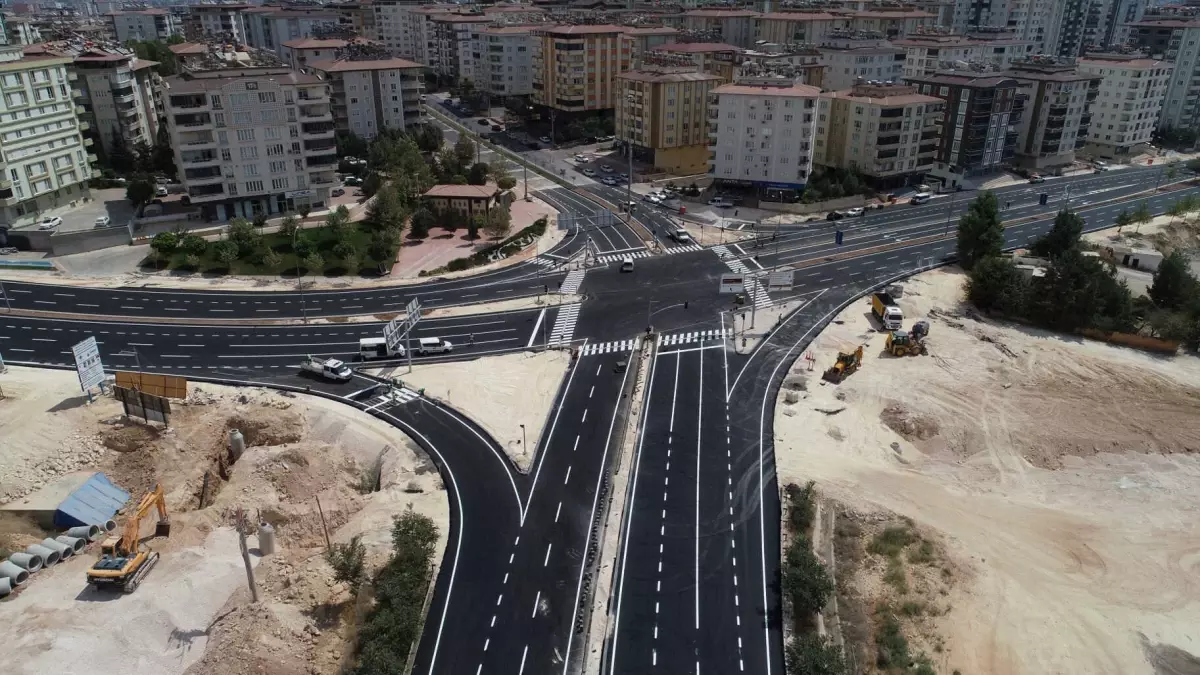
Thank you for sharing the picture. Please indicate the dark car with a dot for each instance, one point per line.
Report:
(835, 215)
(533, 145)
(338, 192)
(482, 122)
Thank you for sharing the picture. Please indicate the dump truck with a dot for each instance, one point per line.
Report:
(330, 369)
(887, 311)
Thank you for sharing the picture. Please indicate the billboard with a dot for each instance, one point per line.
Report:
(168, 386)
(732, 283)
(87, 363)
(780, 280)
(149, 407)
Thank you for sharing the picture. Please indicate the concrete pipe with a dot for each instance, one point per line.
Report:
(108, 525)
(75, 543)
(13, 574)
(26, 561)
(50, 557)
(64, 551)
(89, 532)
(5, 586)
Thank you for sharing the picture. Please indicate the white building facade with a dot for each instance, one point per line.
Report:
(1132, 93)
(46, 159)
(145, 24)
(505, 67)
(368, 97)
(761, 133)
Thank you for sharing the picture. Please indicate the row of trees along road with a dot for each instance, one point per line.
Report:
(1077, 291)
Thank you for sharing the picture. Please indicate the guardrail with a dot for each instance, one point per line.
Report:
(27, 264)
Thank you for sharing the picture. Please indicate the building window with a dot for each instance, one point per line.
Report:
(254, 186)
(250, 152)
(279, 184)
(244, 135)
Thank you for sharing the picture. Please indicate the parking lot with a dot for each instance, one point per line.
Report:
(82, 216)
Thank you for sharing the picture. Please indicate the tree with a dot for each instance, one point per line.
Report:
(809, 654)
(272, 260)
(351, 145)
(139, 191)
(1124, 219)
(428, 138)
(506, 183)
(995, 284)
(314, 261)
(497, 222)
(337, 220)
(1141, 215)
(1171, 172)
(474, 225)
(304, 209)
(478, 174)
(385, 210)
(345, 250)
(980, 233)
(226, 252)
(193, 244)
(420, 223)
(464, 151)
(382, 247)
(348, 562)
(119, 157)
(302, 245)
(1063, 235)
(243, 235)
(192, 261)
(260, 221)
(289, 225)
(162, 157)
(805, 579)
(165, 243)
(1174, 286)
(371, 185)
(157, 51)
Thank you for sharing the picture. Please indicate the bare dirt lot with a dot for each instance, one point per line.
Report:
(192, 613)
(1063, 476)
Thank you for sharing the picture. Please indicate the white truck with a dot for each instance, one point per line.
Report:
(377, 348)
(887, 311)
(330, 369)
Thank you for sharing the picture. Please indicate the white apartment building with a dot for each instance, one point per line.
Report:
(452, 45)
(116, 97)
(370, 96)
(144, 24)
(1037, 21)
(221, 20)
(1059, 111)
(46, 160)
(267, 28)
(1132, 93)
(251, 140)
(404, 27)
(927, 54)
(505, 67)
(299, 53)
(1175, 39)
(854, 57)
(761, 133)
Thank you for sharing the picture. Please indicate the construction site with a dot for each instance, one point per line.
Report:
(997, 498)
(289, 471)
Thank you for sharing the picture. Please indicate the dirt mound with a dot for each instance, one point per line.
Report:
(129, 438)
(911, 426)
(268, 427)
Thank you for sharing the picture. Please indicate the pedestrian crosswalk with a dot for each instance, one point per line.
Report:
(571, 285)
(695, 336)
(394, 396)
(564, 323)
(672, 250)
(611, 347)
(546, 262)
(618, 257)
(758, 294)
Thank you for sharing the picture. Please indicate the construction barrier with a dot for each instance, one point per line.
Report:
(168, 386)
(1130, 340)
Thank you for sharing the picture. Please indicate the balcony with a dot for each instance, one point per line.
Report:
(80, 110)
(197, 141)
(321, 160)
(5, 184)
(123, 96)
(888, 140)
(321, 179)
(72, 76)
(186, 102)
(87, 142)
(204, 176)
(314, 94)
(323, 144)
(206, 192)
(316, 114)
(131, 111)
(92, 159)
(314, 130)
(193, 122)
(63, 168)
(199, 158)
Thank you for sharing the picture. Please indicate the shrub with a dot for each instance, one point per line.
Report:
(801, 509)
(348, 562)
(193, 244)
(805, 579)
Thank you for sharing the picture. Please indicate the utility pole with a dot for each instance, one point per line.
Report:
(525, 168)
(300, 286)
(241, 528)
(5, 294)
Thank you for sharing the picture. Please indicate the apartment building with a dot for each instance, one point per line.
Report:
(299, 53)
(575, 67)
(663, 114)
(761, 134)
(46, 160)
(796, 28)
(731, 26)
(850, 57)
(1058, 116)
(1177, 40)
(978, 129)
(144, 24)
(451, 48)
(20, 31)
(1131, 98)
(888, 132)
(643, 39)
(891, 24)
(267, 28)
(251, 141)
(802, 64)
(1034, 20)
(925, 54)
(368, 97)
(220, 21)
(399, 25)
(115, 94)
(505, 67)
(714, 58)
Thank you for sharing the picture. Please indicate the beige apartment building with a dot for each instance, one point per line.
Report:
(886, 132)
(505, 64)
(925, 54)
(575, 67)
(663, 115)
(1131, 99)
(796, 28)
(116, 96)
(1059, 113)
(368, 97)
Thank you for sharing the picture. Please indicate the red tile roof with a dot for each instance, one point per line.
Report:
(462, 191)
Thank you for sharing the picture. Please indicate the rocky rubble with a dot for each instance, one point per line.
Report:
(24, 477)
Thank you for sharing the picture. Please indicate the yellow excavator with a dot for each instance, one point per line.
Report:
(124, 562)
(847, 362)
(901, 343)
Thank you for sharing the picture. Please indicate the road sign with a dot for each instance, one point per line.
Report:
(147, 406)
(87, 363)
(733, 283)
(605, 218)
(397, 329)
(780, 280)
(565, 221)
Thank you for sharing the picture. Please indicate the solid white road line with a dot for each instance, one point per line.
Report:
(699, 421)
(536, 326)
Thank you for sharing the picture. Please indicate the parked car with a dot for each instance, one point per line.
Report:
(606, 168)
(353, 181)
(1036, 178)
(855, 212)
(609, 180)
(337, 192)
(545, 139)
(160, 191)
(533, 145)
(835, 215)
(624, 176)
(49, 223)
(482, 122)
(720, 202)
(497, 127)
(588, 172)
(102, 221)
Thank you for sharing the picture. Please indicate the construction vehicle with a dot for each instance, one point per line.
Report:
(887, 311)
(124, 562)
(901, 343)
(847, 362)
(330, 369)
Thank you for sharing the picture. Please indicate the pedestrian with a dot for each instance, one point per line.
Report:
(1006, 205)
(471, 339)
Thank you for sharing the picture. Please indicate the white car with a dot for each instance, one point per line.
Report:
(609, 180)
(160, 191)
(589, 172)
(681, 235)
(720, 202)
(434, 345)
(544, 139)
(855, 212)
(653, 199)
(103, 221)
(606, 168)
(49, 223)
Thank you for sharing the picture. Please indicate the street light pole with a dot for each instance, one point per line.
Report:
(300, 286)
(5, 294)
(524, 445)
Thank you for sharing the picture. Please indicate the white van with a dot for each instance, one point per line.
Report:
(433, 345)
(627, 264)
(921, 197)
(376, 348)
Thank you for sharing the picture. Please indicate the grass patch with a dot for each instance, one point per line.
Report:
(923, 554)
(801, 509)
(323, 239)
(895, 576)
(891, 648)
(891, 541)
(912, 608)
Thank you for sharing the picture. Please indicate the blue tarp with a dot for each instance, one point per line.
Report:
(92, 503)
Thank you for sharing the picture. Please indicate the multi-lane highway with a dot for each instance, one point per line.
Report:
(697, 571)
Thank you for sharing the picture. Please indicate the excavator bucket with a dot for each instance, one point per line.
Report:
(162, 528)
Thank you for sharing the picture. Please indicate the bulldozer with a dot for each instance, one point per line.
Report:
(847, 362)
(901, 343)
(124, 562)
